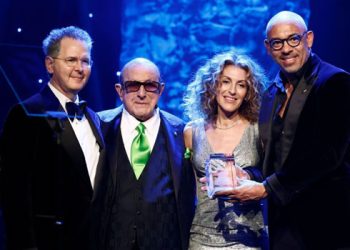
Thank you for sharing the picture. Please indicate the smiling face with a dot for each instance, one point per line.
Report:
(140, 104)
(232, 89)
(290, 59)
(69, 80)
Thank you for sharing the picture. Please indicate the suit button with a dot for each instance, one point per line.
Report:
(134, 227)
(282, 132)
(138, 212)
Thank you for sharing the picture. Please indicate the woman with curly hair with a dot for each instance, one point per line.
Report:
(222, 103)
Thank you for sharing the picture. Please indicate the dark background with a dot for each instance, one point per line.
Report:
(22, 63)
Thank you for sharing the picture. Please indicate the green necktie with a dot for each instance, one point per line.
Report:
(140, 151)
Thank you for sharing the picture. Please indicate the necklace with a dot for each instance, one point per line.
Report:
(224, 128)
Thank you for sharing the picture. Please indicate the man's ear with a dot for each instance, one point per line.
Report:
(162, 85)
(118, 87)
(49, 64)
(310, 38)
(267, 46)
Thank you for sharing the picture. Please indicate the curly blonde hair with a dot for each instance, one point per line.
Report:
(199, 101)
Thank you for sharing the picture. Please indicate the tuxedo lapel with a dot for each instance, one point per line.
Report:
(59, 123)
(95, 125)
(296, 105)
(99, 172)
(113, 135)
(72, 147)
(175, 146)
(268, 109)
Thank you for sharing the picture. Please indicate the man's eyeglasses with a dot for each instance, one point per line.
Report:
(73, 61)
(293, 41)
(134, 86)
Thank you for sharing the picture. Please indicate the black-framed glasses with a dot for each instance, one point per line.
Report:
(73, 61)
(134, 86)
(293, 41)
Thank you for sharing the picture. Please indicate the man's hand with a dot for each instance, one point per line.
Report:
(245, 191)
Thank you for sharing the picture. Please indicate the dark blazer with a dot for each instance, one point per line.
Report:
(45, 182)
(181, 170)
(310, 191)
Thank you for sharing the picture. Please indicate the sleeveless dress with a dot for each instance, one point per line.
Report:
(220, 224)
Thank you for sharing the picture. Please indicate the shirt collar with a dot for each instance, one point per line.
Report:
(280, 78)
(131, 122)
(61, 97)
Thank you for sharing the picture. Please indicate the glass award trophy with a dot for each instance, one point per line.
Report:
(220, 173)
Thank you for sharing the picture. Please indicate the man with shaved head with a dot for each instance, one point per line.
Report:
(149, 198)
(305, 129)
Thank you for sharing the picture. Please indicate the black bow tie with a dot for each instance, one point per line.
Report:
(75, 110)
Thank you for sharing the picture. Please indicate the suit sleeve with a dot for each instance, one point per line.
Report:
(16, 145)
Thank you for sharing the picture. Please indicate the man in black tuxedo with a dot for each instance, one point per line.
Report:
(50, 159)
(305, 129)
(149, 202)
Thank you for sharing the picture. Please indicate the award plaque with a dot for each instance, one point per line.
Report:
(220, 173)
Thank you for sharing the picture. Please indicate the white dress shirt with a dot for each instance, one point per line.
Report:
(128, 126)
(84, 134)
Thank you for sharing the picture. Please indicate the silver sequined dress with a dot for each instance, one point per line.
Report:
(217, 223)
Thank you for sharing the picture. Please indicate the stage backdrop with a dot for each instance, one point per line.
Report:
(177, 35)
(180, 35)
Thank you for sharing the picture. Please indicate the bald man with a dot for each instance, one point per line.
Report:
(305, 128)
(149, 201)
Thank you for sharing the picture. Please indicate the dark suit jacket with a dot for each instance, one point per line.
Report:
(181, 170)
(46, 186)
(310, 191)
